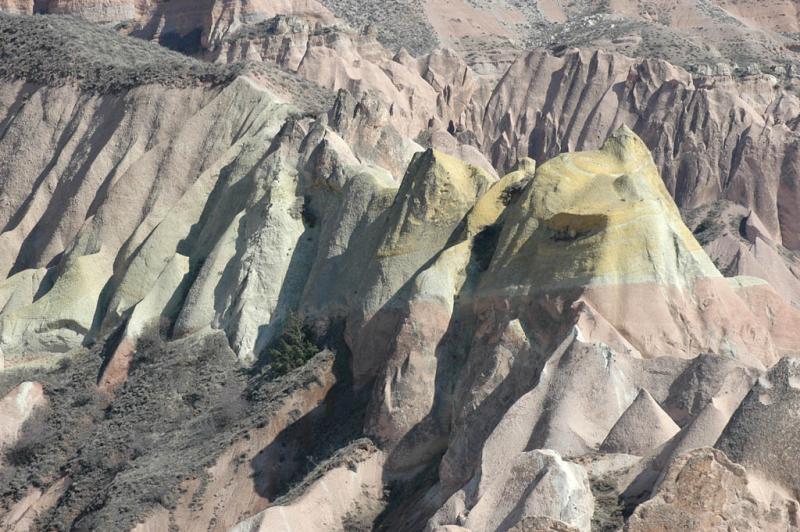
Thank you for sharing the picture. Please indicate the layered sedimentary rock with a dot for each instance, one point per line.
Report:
(704, 152)
(553, 363)
(572, 103)
(125, 178)
(518, 344)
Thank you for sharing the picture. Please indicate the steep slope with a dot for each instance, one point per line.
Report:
(250, 304)
(714, 138)
(762, 431)
(710, 149)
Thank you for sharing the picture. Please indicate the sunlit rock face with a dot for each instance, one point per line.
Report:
(510, 344)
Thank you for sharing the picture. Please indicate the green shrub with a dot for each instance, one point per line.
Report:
(292, 349)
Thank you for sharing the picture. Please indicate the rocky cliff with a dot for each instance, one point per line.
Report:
(342, 295)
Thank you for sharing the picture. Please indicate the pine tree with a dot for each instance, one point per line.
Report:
(292, 348)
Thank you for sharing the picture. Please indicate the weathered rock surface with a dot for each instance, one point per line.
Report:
(641, 429)
(496, 334)
(763, 434)
(572, 103)
(532, 484)
(753, 170)
(16, 407)
(346, 495)
(688, 32)
(704, 490)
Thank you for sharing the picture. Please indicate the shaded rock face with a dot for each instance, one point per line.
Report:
(534, 484)
(739, 244)
(348, 494)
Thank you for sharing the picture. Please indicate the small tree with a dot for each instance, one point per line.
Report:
(292, 349)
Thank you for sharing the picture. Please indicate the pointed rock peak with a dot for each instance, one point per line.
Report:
(436, 193)
(626, 146)
(753, 228)
(641, 429)
(403, 57)
(600, 218)
(437, 165)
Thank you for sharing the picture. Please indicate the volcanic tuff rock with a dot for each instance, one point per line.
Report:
(643, 427)
(743, 128)
(16, 408)
(763, 432)
(714, 35)
(498, 343)
(533, 484)
(704, 490)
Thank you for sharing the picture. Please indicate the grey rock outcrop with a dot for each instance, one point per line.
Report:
(641, 429)
(764, 433)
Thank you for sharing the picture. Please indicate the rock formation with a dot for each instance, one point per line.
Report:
(704, 490)
(761, 435)
(642, 428)
(16, 408)
(573, 103)
(688, 32)
(341, 294)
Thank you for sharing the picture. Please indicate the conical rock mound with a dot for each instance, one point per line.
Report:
(599, 218)
(643, 427)
(601, 225)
